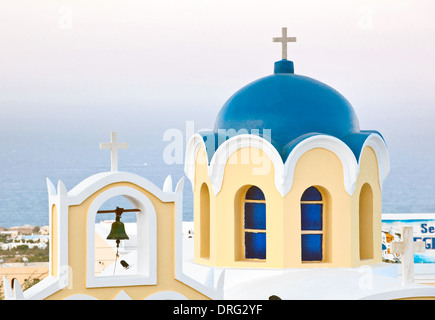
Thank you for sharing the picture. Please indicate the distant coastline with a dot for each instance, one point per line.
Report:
(27, 229)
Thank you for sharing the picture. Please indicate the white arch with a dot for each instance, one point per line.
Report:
(378, 145)
(284, 172)
(193, 146)
(98, 181)
(338, 147)
(147, 241)
(223, 153)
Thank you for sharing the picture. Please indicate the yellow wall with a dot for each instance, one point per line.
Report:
(54, 242)
(77, 246)
(368, 174)
(239, 176)
(323, 169)
(317, 167)
(202, 177)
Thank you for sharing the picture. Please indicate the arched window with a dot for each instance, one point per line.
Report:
(366, 222)
(312, 225)
(204, 221)
(255, 224)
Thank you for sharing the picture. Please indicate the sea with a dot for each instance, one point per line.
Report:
(32, 151)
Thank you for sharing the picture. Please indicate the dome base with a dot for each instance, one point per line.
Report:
(284, 66)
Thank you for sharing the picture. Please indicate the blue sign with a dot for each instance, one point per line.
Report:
(424, 230)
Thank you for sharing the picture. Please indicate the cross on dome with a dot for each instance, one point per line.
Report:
(113, 146)
(406, 248)
(284, 39)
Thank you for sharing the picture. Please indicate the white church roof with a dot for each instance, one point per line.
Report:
(380, 281)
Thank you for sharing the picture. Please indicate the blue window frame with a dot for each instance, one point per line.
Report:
(255, 224)
(312, 225)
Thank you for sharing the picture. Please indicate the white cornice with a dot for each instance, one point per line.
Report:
(284, 171)
(192, 149)
(216, 169)
(97, 181)
(378, 145)
(335, 145)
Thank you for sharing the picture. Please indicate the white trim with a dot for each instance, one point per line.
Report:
(146, 248)
(415, 291)
(167, 185)
(80, 296)
(378, 145)
(7, 289)
(122, 295)
(98, 181)
(166, 295)
(216, 169)
(62, 235)
(336, 146)
(284, 171)
(408, 216)
(208, 290)
(195, 142)
(52, 284)
(46, 287)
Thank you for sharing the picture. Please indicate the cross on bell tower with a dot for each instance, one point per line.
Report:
(113, 146)
(284, 39)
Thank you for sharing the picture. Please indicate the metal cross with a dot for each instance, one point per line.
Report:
(113, 146)
(284, 39)
(406, 248)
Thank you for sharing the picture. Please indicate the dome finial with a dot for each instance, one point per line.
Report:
(284, 39)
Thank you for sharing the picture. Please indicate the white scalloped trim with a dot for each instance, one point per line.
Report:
(284, 171)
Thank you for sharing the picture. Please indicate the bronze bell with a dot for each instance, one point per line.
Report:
(117, 232)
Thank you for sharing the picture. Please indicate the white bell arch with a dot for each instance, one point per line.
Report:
(146, 241)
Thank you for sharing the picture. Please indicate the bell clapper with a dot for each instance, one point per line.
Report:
(117, 254)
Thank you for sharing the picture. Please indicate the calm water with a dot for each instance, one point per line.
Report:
(29, 156)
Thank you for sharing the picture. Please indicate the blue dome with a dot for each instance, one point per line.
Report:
(290, 105)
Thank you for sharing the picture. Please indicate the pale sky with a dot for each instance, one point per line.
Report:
(170, 58)
(71, 71)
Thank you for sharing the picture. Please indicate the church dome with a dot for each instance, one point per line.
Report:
(290, 105)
